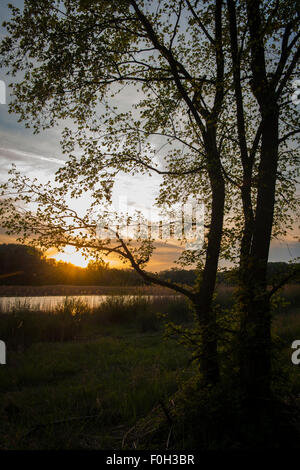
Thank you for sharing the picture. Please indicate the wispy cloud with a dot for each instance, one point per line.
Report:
(14, 155)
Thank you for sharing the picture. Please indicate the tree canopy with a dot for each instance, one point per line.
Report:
(213, 113)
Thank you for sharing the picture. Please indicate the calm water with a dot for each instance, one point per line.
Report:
(50, 302)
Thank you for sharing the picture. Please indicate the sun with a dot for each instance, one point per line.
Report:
(70, 255)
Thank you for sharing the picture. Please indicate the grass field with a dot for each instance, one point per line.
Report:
(80, 379)
(85, 394)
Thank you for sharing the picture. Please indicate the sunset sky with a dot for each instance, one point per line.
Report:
(40, 156)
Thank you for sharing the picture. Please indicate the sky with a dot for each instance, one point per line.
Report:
(40, 156)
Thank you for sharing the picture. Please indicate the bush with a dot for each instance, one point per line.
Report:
(218, 418)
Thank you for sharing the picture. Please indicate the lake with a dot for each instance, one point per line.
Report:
(50, 302)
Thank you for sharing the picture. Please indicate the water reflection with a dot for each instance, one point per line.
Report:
(50, 302)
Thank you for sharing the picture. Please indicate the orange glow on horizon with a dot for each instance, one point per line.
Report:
(70, 255)
(163, 257)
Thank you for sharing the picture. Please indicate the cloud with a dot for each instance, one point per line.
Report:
(18, 155)
(285, 250)
(164, 256)
(33, 165)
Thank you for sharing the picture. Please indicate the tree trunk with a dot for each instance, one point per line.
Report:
(255, 357)
(208, 353)
(208, 357)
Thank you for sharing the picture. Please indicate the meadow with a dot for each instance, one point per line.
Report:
(79, 378)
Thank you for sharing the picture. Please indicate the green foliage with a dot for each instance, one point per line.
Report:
(217, 418)
(83, 66)
(213, 82)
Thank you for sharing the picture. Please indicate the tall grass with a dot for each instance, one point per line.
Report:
(22, 327)
(69, 390)
(142, 312)
(74, 318)
(84, 394)
(59, 393)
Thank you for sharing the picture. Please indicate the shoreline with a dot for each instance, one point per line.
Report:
(75, 290)
(66, 290)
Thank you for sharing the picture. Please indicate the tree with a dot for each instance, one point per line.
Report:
(15, 260)
(122, 43)
(273, 57)
(210, 95)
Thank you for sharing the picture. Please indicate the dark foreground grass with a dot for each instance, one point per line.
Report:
(85, 394)
(74, 319)
(80, 379)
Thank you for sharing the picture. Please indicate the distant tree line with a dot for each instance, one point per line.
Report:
(24, 265)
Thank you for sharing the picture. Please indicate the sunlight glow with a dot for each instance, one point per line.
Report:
(70, 255)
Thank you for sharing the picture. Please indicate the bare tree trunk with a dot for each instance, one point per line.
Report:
(208, 352)
(256, 322)
(208, 356)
